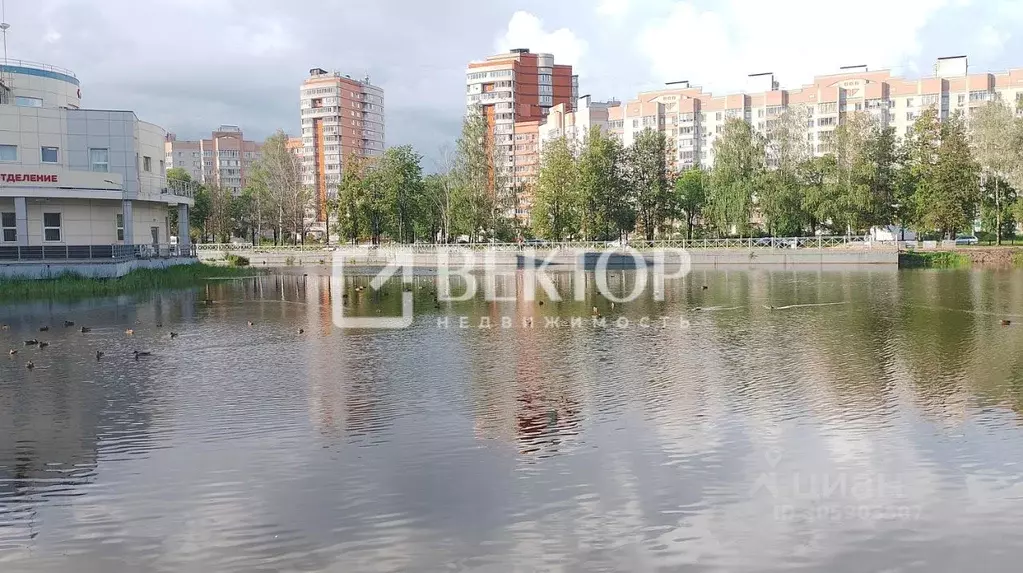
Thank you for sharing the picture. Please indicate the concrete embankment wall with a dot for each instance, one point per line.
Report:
(91, 269)
(698, 257)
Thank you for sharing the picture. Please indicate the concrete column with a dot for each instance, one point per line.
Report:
(183, 238)
(129, 222)
(21, 220)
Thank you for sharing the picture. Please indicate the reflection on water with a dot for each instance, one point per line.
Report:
(882, 433)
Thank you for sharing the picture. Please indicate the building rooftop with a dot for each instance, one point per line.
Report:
(39, 69)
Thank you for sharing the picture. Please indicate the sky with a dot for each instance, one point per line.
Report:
(191, 65)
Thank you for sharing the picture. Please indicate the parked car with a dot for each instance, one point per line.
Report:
(966, 240)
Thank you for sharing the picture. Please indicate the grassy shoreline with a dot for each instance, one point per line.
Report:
(933, 260)
(964, 258)
(72, 286)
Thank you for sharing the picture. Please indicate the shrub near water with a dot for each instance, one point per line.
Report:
(140, 280)
(934, 260)
(236, 261)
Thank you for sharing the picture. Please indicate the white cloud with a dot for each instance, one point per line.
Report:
(796, 39)
(526, 31)
(992, 39)
(613, 8)
(52, 36)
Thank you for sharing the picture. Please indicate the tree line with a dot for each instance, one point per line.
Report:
(274, 202)
(937, 179)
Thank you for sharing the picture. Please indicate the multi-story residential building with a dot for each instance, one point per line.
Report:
(78, 184)
(515, 91)
(223, 160)
(693, 119)
(576, 124)
(341, 116)
(295, 146)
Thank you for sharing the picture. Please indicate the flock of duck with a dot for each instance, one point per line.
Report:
(136, 354)
(36, 343)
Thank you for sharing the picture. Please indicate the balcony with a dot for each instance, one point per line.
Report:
(181, 188)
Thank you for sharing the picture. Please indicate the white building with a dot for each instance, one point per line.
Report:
(78, 183)
(575, 125)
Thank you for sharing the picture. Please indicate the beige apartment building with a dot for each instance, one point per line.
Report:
(341, 116)
(223, 160)
(576, 124)
(515, 91)
(692, 118)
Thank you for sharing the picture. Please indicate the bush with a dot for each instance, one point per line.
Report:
(236, 261)
(933, 260)
(289, 261)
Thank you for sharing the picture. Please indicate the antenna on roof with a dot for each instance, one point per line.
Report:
(5, 78)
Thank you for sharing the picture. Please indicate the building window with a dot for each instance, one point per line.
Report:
(51, 227)
(49, 154)
(8, 152)
(23, 101)
(10, 227)
(120, 226)
(99, 159)
(147, 163)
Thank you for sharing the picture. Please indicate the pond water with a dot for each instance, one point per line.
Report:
(869, 421)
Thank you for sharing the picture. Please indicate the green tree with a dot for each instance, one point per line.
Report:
(994, 145)
(179, 174)
(818, 203)
(199, 214)
(950, 194)
(351, 194)
(220, 220)
(648, 176)
(606, 211)
(401, 175)
(921, 155)
(853, 174)
(555, 200)
(998, 208)
(690, 197)
(276, 178)
(885, 158)
(433, 207)
(242, 213)
(739, 167)
(781, 196)
(475, 177)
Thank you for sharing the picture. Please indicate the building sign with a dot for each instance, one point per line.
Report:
(28, 178)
